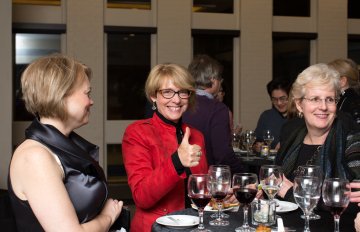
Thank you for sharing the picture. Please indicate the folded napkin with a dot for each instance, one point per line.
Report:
(280, 225)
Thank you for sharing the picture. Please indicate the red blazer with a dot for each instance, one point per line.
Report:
(156, 187)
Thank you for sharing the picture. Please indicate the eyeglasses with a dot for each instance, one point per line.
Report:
(169, 93)
(280, 99)
(316, 101)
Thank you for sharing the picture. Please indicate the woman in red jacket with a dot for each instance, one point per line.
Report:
(161, 152)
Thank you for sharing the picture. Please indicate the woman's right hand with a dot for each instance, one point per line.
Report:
(285, 186)
(189, 155)
(112, 209)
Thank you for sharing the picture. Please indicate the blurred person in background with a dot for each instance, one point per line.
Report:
(210, 116)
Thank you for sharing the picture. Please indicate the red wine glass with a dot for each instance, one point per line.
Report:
(199, 192)
(245, 189)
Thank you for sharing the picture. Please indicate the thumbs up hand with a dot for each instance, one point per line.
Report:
(189, 154)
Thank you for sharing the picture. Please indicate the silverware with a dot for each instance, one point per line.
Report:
(173, 219)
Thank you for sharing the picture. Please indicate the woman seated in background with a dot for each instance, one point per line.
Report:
(161, 152)
(55, 183)
(325, 137)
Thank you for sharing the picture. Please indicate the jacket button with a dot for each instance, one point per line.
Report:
(165, 210)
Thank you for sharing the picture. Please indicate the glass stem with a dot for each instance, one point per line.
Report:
(307, 218)
(219, 204)
(201, 219)
(245, 224)
(336, 223)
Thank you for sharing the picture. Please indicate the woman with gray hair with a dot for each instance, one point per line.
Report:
(324, 137)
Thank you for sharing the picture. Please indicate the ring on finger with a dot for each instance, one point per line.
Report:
(198, 153)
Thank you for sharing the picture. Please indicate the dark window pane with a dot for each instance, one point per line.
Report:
(214, 6)
(115, 166)
(128, 67)
(353, 9)
(354, 50)
(290, 57)
(219, 47)
(27, 48)
(132, 4)
(291, 8)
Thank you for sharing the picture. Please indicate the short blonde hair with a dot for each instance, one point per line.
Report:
(48, 80)
(176, 73)
(315, 75)
(347, 68)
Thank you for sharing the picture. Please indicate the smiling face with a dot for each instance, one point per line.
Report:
(78, 104)
(318, 117)
(279, 99)
(173, 108)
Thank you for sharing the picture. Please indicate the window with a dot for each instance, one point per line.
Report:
(353, 9)
(127, 68)
(291, 8)
(218, 45)
(214, 6)
(27, 47)
(291, 54)
(354, 49)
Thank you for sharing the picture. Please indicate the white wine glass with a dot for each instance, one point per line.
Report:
(268, 137)
(220, 182)
(336, 196)
(245, 189)
(250, 138)
(310, 170)
(307, 191)
(199, 192)
(270, 179)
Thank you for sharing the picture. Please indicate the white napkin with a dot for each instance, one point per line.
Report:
(121, 230)
(280, 225)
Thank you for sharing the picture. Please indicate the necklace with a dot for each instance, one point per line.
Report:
(298, 171)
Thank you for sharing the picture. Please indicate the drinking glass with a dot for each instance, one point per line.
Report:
(250, 138)
(335, 194)
(220, 182)
(199, 192)
(270, 179)
(245, 189)
(268, 137)
(311, 170)
(307, 191)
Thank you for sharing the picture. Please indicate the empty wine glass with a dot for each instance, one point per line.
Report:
(250, 138)
(268, 137)
(335, 194)
(307, 191)
(220, 182)
(199, 192)
(245, 189)
(310, 170)
(270, 179)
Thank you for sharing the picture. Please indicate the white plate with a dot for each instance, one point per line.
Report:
(285, 206)
(238, 150)
(208, 208)
(178, 221)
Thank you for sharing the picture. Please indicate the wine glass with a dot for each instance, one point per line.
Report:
(335, 194)
(250, 138)
(310, 170)
(245, 189)
(268, 137)
(199, 192)
(270, 179)
(307, 191)
(220, 182)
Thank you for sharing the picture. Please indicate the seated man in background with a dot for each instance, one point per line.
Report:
(272, 119)
(210, 116)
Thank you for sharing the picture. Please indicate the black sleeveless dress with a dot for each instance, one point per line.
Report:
(84, 178)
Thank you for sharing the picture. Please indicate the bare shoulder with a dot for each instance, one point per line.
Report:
(32, 152)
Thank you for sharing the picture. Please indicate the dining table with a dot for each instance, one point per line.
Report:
(254, 161)
(292, 221)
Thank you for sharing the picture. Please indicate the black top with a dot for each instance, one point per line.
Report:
(350, 103)
(306, 154)
(84, 178)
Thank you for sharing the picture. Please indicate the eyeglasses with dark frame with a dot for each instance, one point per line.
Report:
(169, 93)
(316, 101)
(281, 99)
